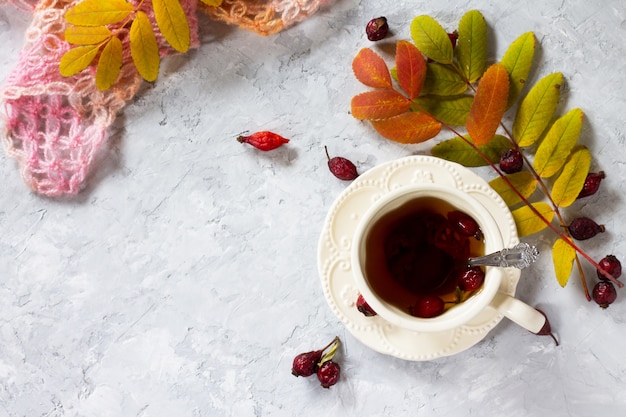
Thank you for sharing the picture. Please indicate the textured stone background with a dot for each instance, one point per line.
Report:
(183, 280)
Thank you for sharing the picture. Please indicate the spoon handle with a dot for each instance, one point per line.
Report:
(519, 256)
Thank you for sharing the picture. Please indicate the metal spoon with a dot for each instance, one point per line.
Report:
(519, 256)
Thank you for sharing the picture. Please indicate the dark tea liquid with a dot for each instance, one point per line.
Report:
(414, 251)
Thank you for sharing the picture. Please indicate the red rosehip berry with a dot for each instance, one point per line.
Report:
(546, 330)
(305, 364)
(610, 264)
(264, 141)
(328, 373)
(511, 161)
(592, 183)
(363, 307)
(464, 224)
(471, 279)
(428, 306)
(341, 168)
(453, 36)
(583, 228)
(604, 293)
(377, 29)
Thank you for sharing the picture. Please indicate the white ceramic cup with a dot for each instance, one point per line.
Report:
(489, 296)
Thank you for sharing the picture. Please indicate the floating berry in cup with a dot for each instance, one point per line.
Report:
(511, 161)
(610, 264)
(265, 141)
(428, 306)
(592, 183)
(471, 278)
(377, 29)
(328, 373)
(583, 228)
(363, 307)
(341, 168)
(604, 293)
(464, 224)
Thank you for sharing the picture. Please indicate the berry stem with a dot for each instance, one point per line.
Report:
(331, 352)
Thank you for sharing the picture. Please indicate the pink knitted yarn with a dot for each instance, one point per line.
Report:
(55, 125)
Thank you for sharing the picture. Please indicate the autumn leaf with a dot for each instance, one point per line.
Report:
(451, 110)
(408, 127)
(144, 48)
(410, 68)
(489, 105)
(378, 104)
(536, 109)
(570, 181)
(523, 181)
(370, 69)
(77, 59)
(432, 39)
(558, 143)
(215, 3)
(98, 12)
(442, 80)
(173, 24)
(563, 257)
(109, 64)
(84, 35)
(518, 60)
(459, 151)
(471, 48)
(528, 222)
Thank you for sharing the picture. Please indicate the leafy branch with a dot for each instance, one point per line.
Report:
(435, 88)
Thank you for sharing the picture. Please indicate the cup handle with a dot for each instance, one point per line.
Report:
(518, 312)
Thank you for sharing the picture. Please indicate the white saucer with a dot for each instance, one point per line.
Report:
(336, 271)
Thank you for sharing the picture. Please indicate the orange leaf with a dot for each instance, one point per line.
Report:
(408, 127)
(489, 105)
(379, 104)
(371, 69)
(411, 68)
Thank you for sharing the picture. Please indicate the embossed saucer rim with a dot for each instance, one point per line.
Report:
(334, 257)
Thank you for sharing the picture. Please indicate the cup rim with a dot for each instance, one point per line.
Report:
(458, 315)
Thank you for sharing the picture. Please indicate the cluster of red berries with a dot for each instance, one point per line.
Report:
(319, 362)
(604, 292)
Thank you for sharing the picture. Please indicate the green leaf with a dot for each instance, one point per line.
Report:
(173, 24)
(489, 105)
(432, 39)
(460, 151)
(517, 60)
(528, 222)
(570, 181)
(451, 110)
(84, 35)
(144, 48)
(109, 64)
(77, 59)
(523, 181)
(471, 48)
(558, 143)
(537, 109)
(98, 12)
(563, 257)
(442, 80)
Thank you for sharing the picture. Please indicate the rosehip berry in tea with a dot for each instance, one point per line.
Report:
(583, 228)
(377, 29)
(465, 224)
(511, 161)
(610, 264)
(363, 307)
(328, 373)
(471, 278)
(604, 293)
(305, 364)
(265, 141)
(592, 184)
(428, 306)
(341, 168)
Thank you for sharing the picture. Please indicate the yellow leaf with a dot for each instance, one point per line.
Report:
(563, 256)
(144, 48)
(528, 222)
(523, 181)
(77, 59)
(109, 64)
(571, 180)
(98, 12)
(83, 35)
(172, 22)
(215, 3)
(558, 143)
